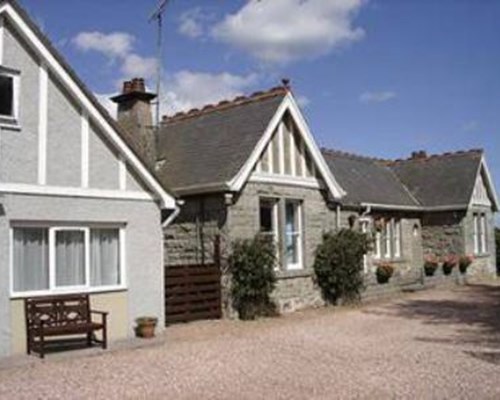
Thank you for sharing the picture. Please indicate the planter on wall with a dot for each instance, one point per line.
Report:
(146, 327)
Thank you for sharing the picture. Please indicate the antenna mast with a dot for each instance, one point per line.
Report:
(158, 17)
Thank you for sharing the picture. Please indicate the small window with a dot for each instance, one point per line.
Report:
(7, 96)
(378, 245)
(31, 259)
(396, 237)
(476, 233)
(365, 224)
(293, 235)
(70, 257)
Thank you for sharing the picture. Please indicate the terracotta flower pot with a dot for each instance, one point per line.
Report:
(146, 327)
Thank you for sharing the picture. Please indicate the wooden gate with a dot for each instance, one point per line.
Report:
(193, 292)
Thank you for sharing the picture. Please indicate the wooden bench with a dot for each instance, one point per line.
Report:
(64, 315)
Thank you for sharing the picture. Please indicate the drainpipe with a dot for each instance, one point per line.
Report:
(367, 211)
(337, 217)
(174, 215)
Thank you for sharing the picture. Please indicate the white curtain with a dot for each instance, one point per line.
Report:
(104, 257)
(70, 258)
(31, 259)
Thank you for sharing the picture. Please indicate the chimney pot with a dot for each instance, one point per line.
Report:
(127, 87)
(418, 155)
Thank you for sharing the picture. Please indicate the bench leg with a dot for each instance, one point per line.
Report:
(42, 347)
(28, 343)
(104, 338)
(89, 339)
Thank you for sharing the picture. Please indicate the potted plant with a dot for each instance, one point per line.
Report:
(449, 262)
(384, 272)
(464, 262)
(145, 327)
(431, 264)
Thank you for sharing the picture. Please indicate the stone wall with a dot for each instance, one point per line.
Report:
(295, 289)
(408, 266)
(443, 233)
(484, 265)
(190, 238)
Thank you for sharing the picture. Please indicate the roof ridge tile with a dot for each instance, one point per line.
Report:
(226, 104)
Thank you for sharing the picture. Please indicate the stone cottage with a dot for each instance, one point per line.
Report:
(251, 165)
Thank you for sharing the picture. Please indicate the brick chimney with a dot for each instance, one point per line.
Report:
(134, 115)
(418, 155)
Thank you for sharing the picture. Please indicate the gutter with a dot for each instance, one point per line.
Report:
(452, 207)
(174, 215)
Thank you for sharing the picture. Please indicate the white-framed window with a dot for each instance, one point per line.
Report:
(51, 260)
(9, 96)
(268, 221)
(387, 239)
(480, 229)
(476, 233)
(396, 238)
(484, 241)
(378, 245)
(364, 229)
(293, 234)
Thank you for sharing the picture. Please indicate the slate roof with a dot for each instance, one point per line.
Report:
(367, 180)
(444, 180)
(440, 180)
(208, 147)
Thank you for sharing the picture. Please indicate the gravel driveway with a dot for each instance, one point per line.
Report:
(439, 344)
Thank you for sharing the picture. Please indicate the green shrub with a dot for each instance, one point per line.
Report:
(339, 265)
(384, 272)
(464, 262)
(253, 278)
(431, 264)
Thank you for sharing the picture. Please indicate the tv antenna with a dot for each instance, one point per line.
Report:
(158, 17)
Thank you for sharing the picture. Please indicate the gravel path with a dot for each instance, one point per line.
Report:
(429, 345)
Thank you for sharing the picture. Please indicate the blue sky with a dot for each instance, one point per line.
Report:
(376, 77)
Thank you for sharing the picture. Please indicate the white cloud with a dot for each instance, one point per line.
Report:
(104, 99)
(303, 101)
(191, 23)
(116, 44)
(376, 97)
(281, 31)
(470, 126)
(137, 66)
(189, 89)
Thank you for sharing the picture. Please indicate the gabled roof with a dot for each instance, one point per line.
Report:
(426, 183)
(367, 180)
(216, 148)
(125, 143)
(207, 148)
(443, 180)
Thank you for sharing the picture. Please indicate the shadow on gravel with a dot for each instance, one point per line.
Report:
(474, 310)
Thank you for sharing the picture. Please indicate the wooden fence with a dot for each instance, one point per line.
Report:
(193, 292)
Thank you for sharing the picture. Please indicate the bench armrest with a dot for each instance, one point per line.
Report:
(99, 312)
(103, 314)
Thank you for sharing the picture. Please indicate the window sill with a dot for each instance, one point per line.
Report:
(293, 273)
(101, 290)
(10, 126)
(482, 255)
